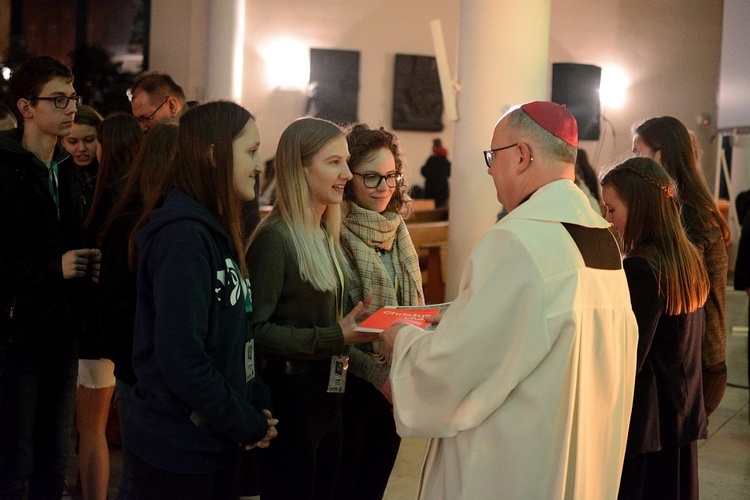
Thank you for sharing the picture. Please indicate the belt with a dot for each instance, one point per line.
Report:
(297, 367)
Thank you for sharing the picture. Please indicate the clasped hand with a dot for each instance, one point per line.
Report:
(272, 433)
(75, 263)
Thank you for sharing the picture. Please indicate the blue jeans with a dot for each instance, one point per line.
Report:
(126, 491)
(37, 401)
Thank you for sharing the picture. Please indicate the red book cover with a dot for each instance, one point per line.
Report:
(386, 316)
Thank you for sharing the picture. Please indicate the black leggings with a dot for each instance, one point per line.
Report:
(303, 461)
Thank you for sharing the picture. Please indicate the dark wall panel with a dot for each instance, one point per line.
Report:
(417, 98)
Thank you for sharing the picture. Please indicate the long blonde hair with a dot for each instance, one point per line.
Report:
(653, 231)
(298, 145)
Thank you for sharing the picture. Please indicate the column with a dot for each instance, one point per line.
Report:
(225, 49)
(503, 61)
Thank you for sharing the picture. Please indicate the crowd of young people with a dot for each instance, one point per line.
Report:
(138, 265)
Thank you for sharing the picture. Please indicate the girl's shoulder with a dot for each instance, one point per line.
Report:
(637, 263)
(273, 234)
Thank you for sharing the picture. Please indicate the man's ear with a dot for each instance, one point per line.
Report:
(211, 156)
(24, 106)
(524, 159)
(173, 106)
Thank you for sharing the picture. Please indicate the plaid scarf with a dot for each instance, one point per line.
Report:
(363, 233)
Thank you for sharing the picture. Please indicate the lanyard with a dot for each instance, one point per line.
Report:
(52, 170)
(340, 296)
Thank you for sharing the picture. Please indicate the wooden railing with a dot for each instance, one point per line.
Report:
(430, 240)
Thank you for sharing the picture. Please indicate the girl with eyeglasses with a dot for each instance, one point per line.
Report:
(385, 266)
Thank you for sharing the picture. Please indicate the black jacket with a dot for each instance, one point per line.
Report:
(436, 171)
(742, 265)
(668, 408)
(117, 294)
(35, 300)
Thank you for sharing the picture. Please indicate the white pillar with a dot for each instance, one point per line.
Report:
(503, 60)
(226, 43)
(740, 163)
(177, 44)
(740, 176)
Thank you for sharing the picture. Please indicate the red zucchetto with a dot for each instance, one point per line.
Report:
(555, 119)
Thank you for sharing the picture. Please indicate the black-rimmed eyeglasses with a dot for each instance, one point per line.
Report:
(146, 119)
(61, 101)
(489, 155)
(372, 181)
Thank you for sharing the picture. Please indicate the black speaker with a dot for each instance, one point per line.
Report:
(577, 87)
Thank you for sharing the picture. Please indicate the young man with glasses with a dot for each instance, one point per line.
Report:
(156, 98)
(526, 385)
(41, 224)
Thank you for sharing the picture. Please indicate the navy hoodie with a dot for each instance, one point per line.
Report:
(197, 397)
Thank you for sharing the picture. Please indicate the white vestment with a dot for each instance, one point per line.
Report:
(526, 386)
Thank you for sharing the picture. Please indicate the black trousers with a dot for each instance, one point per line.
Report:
(671, 473)
(156, 484)
(370, 442)
(303, 461)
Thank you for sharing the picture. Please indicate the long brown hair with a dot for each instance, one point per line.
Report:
(653, 230)
(86, 115)
(672, 140)
(146, 181)
(120, 137)
(207, 177)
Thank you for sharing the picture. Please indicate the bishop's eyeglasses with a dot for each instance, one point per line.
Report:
(489, 155)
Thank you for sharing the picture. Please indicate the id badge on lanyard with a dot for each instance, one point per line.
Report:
(340, 363)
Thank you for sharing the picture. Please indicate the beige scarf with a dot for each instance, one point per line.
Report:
(364, 233)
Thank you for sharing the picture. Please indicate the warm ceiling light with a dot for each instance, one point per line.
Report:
(613, 88)
(287, 63)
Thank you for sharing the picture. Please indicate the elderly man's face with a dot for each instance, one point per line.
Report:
(150, 112)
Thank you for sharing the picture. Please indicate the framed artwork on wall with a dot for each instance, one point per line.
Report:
(334, 85)
(417, 98)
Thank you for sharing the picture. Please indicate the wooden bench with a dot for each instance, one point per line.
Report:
(432, 215)
(430, 240)
(419, 204)
(424, 211)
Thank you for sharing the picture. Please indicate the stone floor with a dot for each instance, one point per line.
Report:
(724, 458)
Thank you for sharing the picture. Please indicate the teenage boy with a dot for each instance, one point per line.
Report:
(41, 227)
